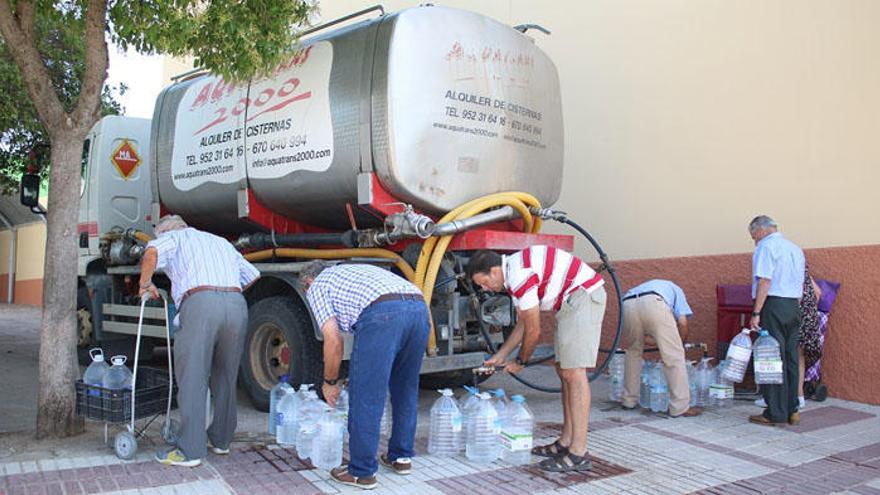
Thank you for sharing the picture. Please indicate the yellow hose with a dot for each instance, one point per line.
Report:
(399, 262)
(142, 236)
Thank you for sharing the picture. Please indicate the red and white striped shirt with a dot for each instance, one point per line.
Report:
(545, 275)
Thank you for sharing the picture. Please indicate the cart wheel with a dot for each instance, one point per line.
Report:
(125, 445)
(171, 431)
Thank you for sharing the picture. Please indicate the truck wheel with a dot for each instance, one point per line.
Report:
(450, 379)
(280, 341)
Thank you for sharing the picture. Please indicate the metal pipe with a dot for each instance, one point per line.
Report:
(458, 226)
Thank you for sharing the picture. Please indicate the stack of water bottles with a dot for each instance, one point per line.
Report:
(444, 438)
(768, 359)
(615, 376)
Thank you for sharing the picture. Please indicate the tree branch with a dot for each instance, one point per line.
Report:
(88, 108)
(17, 29)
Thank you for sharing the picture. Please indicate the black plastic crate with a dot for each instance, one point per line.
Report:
(114, 406)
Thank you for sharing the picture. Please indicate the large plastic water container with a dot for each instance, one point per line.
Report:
(326, 451)
(499, 400)
(117, 377)
(659, 390)
(703, 379)
(287, 416)
(692, 382)
(468, 404)
(768, 359)
(275, 396)
(645, 386)
(310, 412)
(444, 436)
(721, 389)
(94, 374)
(738, 355)
(482, 444)
(615, 376)
(517, 429)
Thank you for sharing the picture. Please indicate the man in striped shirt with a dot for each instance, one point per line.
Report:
(207, 277)
(389, 320)
(543, 278)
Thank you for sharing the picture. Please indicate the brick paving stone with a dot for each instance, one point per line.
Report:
(827, 417)
(73, 488)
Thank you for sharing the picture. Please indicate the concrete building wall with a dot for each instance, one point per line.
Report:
(29, 260)
(685, 119)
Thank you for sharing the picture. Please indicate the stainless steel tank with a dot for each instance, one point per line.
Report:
(443, 105)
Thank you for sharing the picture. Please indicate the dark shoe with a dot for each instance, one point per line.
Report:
(555, 449)
(760, 419)
(566, 463)
(629, 408)
(690, 413)
(401, 465)
(794, 419)
(342, 475)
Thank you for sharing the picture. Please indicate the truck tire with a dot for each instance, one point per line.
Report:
(280, 340)
(450, 379)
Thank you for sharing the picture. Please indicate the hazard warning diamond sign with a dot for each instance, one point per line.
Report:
(126, 159)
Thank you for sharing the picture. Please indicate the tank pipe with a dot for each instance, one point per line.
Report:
(334, 22)
(260, 240)
(399, 262)
(458, 226)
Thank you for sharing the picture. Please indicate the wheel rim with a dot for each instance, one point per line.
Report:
(269, 355)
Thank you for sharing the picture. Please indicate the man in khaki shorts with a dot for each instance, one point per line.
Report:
(657, 312)
(543, 278)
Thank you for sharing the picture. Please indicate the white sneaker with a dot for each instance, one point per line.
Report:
(801, 402)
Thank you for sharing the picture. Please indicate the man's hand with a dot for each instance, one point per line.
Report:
(151, 290)
(755, 322)
(331, 394)
(496, 361)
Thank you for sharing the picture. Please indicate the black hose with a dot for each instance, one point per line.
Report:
(598, 371)
(260, 240)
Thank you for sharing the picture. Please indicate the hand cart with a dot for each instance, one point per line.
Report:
(146, 398)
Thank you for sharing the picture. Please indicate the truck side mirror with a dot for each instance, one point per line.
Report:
(30, 190)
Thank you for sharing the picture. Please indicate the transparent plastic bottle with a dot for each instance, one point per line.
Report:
(286, 419)
(118, 376)
(482, 444)
(499, 400)
(720, 390)
(615, 377)
(94, 374)
(692, 382)
(645, 388)
(275, 396)
(517, 430)
(310, 412)
(768, 359)
(738, 355)
(467, 409)
(659, 390)
(703, 379)
(326, 451)
(445, 430)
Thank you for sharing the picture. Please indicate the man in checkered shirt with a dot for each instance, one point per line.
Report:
(389, 320)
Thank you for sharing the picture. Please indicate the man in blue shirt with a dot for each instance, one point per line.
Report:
(777, 286)
(657, 312)
(389, 320)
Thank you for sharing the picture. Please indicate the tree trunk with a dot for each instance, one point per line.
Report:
(59, 369)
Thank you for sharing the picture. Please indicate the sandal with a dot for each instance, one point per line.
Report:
(554, 449)
(566, 463)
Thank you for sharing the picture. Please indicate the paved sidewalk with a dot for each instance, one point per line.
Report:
(836, 449)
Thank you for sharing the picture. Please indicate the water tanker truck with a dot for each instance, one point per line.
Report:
(408, 140)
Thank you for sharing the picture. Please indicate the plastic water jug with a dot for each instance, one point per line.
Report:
(310, 412)
(275, 396)
(326, 451)
(517, 429)
(738, 355)
(468, 405)
(703, 379)
(768, 359)
(645, 388)
(287, 417)
(385, 424)
(659, 390)
(720, 390)
(692, 382)
(615, 375)
(117, 377)
(444, 437)
(499, 400)
(94, 374)
(482, 444)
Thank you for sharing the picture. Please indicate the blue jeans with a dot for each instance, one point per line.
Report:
(389, 344)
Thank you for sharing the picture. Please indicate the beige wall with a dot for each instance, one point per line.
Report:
(684, 119)
(30, 248)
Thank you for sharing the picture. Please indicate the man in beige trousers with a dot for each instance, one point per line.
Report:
(657, 310)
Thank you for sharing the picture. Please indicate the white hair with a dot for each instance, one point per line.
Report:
(169, 223)
(762, 222)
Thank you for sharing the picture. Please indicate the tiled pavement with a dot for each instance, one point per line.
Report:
(836, 449)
